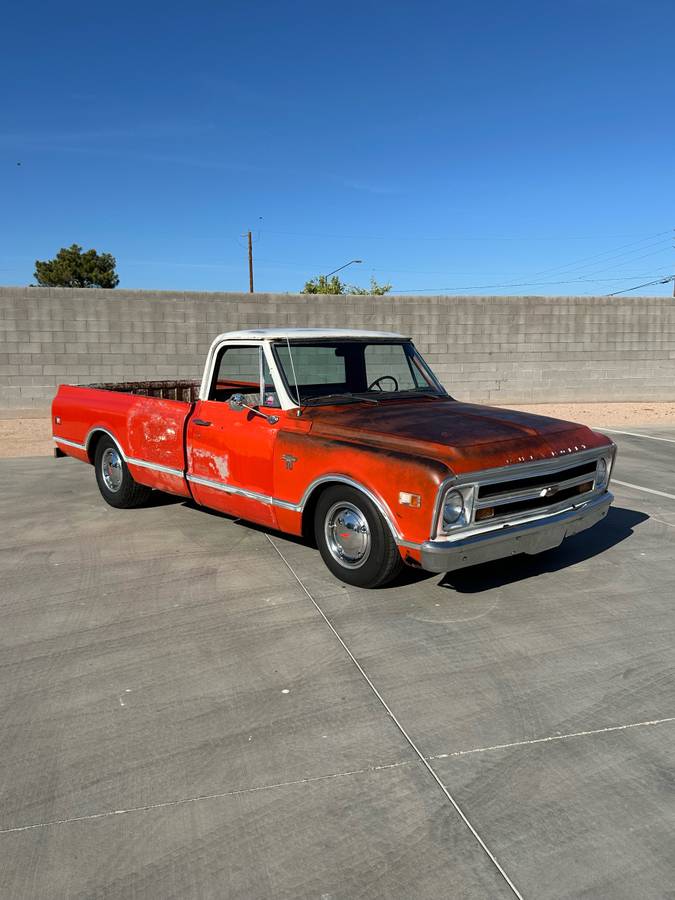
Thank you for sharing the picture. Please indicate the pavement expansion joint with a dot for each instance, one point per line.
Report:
(554, 737)
(423, 760)
(202, 797)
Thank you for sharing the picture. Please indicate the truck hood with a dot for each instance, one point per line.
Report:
(466, 436)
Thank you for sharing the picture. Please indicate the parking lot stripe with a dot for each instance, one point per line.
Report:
(555, 737)
(639, 487)
(651, 437)
(425, 762)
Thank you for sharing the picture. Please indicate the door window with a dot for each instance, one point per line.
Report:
(237, 371)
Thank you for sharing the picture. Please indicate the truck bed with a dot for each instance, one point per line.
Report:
(162, 390)
(145, 418)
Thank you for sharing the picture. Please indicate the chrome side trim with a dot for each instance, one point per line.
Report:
(299, 507)
(411, 545)
(144, 464)
(130, 460)
(231, 489)
(286, 504)
(60, 440)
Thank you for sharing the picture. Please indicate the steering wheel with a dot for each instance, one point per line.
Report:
(377, 386)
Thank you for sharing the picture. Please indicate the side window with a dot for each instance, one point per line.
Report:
(237, 371)
(388, 361)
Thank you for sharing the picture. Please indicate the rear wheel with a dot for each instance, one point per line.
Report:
(353, 538)
(114, 480)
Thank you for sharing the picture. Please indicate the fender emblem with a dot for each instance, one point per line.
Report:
(289, 460)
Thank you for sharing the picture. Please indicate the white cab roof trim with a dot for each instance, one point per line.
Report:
(276, 334)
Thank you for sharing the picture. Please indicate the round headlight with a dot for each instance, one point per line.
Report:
(452, 508)
(601, 473)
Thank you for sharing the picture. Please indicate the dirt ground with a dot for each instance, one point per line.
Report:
(608, 415)
(28, 433)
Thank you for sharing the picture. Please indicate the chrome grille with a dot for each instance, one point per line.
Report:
(555, 486)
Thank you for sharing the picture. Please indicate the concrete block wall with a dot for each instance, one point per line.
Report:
(484, 349)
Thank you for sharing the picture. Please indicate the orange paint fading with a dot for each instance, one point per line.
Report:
(243, 465)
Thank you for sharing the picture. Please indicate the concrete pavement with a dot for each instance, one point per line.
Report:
(179, 720)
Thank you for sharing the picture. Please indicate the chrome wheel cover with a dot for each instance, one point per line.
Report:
(111, 469)
(347, 535)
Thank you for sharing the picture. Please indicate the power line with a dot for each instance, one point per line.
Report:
(474, 287)
(572, 265)
(628, 262)
(587, 260)
(459, 237)
(646, 284)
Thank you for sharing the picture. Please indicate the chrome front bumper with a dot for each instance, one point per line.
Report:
(528, 537)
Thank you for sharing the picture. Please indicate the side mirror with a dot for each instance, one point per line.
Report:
(236, 402)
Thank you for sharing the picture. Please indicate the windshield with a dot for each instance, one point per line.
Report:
(348, 371)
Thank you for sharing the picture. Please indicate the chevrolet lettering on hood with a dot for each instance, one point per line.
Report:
(346, 437)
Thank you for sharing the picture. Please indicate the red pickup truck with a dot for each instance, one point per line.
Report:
(348, 438)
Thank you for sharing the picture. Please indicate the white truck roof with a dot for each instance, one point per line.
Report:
(275, 334)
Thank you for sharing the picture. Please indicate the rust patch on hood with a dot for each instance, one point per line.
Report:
(466, 436)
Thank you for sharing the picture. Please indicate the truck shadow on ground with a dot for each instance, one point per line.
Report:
(618, 525)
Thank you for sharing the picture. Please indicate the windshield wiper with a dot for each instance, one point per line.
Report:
(346, 396)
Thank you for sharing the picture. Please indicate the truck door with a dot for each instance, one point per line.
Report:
(230, 452)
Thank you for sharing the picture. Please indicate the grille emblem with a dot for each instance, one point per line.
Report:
(550, 490)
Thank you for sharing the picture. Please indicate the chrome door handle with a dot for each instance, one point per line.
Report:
(201, 422)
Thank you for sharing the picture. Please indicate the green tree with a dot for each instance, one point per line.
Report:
(375, 289)
(323, 285)
(71, 267)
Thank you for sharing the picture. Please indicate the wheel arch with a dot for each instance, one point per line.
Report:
(317, 487)
(94, 437)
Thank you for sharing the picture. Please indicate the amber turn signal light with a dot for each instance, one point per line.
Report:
(486, 513)
(406, 499)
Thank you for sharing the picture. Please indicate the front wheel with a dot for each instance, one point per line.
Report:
(353, 538)
(114, 479)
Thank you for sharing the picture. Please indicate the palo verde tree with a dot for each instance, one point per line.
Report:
(323, 285)
(73, 267)
(375, 289)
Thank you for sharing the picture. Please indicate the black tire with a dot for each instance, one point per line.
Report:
(128, 493)
(374, 558)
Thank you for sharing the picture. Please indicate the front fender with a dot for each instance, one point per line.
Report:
(303, 464)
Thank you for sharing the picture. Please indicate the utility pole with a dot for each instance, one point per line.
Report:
(250, 263)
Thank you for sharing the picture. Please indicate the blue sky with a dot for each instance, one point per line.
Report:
(487, 148)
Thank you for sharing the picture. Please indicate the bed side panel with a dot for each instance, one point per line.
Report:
(149, 431)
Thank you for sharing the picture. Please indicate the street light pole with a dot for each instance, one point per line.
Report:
(339, 269)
